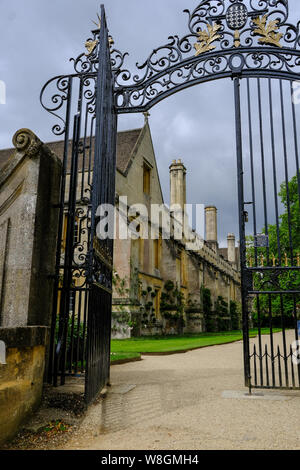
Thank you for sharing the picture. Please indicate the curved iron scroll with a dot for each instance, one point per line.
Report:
(225, 38)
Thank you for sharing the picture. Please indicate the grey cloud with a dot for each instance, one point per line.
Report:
(37, 39)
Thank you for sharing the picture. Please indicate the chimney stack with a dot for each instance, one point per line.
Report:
(211, 226)
(178, 184)
(231, 248)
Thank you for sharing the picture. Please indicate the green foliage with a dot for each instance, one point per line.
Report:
(148, 317)
(288, 280)
(122, 318)
(169, 286)
(172, 302)
(210, 324)
(235, 315)
(120, 285)
(75, 330)
(221, 311)
(223, 317)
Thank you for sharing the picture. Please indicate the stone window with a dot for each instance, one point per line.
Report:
(156, 254)
(146, 178)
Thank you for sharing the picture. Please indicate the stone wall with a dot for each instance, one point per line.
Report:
(21, 378)
(29, 196)
(29, 188)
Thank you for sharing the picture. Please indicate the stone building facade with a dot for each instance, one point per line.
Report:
(158, 280)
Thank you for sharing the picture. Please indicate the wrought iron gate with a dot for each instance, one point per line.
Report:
(269, 195)
(81, 323)
(251, 42)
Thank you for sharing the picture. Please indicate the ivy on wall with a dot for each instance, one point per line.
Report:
(147, 306)
(222, 317)
(172, 304)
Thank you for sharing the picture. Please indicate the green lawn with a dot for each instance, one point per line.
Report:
(165, 344)
(120, 356)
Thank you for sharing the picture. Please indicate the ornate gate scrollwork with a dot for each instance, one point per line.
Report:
(225, 38)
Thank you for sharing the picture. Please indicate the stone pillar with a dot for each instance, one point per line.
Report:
(29, 200)
(211, 226)
(29, 191)
(178, 183)
(231, 248)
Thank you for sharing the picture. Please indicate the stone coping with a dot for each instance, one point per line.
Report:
(27, 144)
(24, 337)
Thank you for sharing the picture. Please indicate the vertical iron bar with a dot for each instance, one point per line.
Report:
(279, 366)
(286, 170)
(78, 331)
(267, 365)
(262, 149)
(260, 341)
(292, 367)
(255, 366)
(274, 170)
(52, 373)
(296, 330)
(285, 359)
(69, 252)
(240, 178)
(72, 339)
(252, 168)
(271, 339)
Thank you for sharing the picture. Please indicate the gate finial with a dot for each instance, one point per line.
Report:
(146, 116)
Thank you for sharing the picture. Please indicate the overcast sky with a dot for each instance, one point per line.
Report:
(37, 39)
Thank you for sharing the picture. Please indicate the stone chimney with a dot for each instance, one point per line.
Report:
(231, 254)
(178, 183)
(211, 225)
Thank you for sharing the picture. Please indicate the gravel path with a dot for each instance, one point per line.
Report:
(177, 402)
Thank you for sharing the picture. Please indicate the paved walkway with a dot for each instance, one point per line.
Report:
(177, 402)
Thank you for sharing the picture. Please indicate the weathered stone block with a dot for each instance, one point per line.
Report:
(29, 193)
(21, 385)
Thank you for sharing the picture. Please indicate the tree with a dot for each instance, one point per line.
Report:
(284, 250)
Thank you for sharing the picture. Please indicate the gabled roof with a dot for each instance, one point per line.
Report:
(126, 142)
(4, 156)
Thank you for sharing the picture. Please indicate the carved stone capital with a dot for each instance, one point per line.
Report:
(27, 142)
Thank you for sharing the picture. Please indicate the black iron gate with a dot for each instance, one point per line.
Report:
(101, 250)
(269, 195)
(253, 43)
(80, 333)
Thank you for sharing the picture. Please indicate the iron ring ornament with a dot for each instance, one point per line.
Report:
(258, 32)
